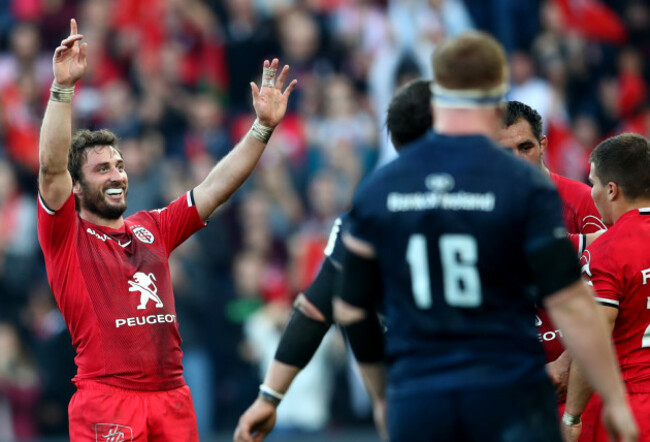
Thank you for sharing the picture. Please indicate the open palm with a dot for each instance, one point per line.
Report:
(270, 103)
(69, 61)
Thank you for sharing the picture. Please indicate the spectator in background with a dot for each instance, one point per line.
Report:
(19, 388)
(18, 247)
(54, 357)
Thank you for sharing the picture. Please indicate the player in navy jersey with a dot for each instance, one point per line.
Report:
(110, 275)
(459, 240)
(408, 118)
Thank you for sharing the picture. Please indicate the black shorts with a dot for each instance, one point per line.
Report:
(513, 413)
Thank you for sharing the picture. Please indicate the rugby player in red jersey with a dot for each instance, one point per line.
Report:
(618, 268)
(110, 275)
(522, 133)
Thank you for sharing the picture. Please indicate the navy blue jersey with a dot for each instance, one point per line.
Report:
(452, 221)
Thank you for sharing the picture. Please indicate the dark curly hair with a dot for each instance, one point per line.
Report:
(82, 141)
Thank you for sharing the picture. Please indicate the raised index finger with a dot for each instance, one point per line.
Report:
(73, 26)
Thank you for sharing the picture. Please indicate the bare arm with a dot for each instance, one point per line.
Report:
(558, 371)
(270, 105)
(588, 338)
(579, 389)
(54, 181)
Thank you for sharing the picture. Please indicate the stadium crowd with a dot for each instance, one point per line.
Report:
(171, 79)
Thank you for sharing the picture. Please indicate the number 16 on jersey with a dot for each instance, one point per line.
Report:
(458, 258)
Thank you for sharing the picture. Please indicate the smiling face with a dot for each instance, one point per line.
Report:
(519, 138)
(103, 184)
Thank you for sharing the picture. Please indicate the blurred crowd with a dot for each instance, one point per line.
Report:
(171, 79)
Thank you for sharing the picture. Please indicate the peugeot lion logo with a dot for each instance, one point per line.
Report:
(144, 283)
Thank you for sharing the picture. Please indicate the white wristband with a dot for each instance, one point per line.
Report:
(261, 132)
(271, 392)
(570, 420)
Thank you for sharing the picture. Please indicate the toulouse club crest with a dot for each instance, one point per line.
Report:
(143, 234)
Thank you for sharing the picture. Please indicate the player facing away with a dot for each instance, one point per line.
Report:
(522, 133)
(408, 118)
(617, 265)
(110, 275)
(460, 239)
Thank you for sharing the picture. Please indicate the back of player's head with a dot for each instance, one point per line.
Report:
(409, 112)
(82, 141)
(516, 110)
(470, 71)
(624, 160)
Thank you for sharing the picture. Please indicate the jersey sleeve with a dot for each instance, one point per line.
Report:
(360, 220)
(552, 259)
(56, 228)
(179, 221)
(588, 217)
(606, 284)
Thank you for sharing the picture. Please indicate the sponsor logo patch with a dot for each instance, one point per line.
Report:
(143, 234)
(113, 433)
(143, 283)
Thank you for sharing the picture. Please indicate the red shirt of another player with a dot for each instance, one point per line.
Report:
(580, 216)
(114, 290)
(618, 267)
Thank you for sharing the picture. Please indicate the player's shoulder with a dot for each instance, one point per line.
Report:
(619, 241)
(569, 187)
(147, 218)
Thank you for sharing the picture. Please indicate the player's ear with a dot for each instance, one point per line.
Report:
(543, 142)
(76, 188)
(612, 191)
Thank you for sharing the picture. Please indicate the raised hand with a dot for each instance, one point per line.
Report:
(269, 101)
(69, 60)
(256, 422)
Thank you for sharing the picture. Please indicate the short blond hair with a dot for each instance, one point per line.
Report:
(474, 60)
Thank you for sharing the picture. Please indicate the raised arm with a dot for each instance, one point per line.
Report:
(270, 105)
(69, 65)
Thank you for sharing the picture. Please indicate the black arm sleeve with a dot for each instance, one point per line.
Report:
(361, 281)
(321, 290)
(554, 266)
(301, 339)
(361, 287)
(366, 339)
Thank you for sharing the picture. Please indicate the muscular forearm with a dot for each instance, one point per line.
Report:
(280, 376)
(55, 137)
(579, 391)
(586, 336)
(54, 181)
(228, 175)
(374, 379)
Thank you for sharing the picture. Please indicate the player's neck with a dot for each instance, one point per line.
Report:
(625, 206)
(98, 220)
(449, 121)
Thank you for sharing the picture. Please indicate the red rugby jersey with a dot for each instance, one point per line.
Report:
(114, 290)
(618, 267)
(580, 216)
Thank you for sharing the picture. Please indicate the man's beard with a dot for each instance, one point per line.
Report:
(95, 202)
